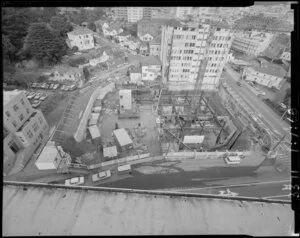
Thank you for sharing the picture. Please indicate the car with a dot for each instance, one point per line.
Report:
(31, 95)
(63, 87)
(37, 96)
(101, 175)
(55, 86)
(36, 104)
(43, 97)
(74, 181)
(232, 160)
(283, 105)
(34, 85)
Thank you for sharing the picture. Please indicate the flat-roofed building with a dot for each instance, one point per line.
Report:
(95, 134)
(24, 129)
(82, 38)
(123, 139)
(125, 99)
(110, 152)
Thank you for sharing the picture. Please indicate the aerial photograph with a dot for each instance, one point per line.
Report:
(147, 120)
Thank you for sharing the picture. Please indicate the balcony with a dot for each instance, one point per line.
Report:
(27, 121)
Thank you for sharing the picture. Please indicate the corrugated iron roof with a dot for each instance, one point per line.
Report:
(122, 136)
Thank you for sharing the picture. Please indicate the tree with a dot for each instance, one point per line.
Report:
(9, 49)
(92, 26)
(86, 73)
(48, 13)
(43, 45)
(78, 18)
(60, 25)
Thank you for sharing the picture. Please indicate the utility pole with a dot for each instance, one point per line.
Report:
(284, 114)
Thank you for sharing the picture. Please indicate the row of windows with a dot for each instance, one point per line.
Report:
(222, 38)
(85, 36)
(216, 58)
(189, 44)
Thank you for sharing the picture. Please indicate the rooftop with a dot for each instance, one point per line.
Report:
(151, 60)
(48, 154)
(81, 31)
(122, 136)
(270, 69)
(41, 209)
(135, 70)
(125, 33)
(94, 131)
(110, 151)
(9, 95)
(193, 139)
(68, 70)
(156, 41)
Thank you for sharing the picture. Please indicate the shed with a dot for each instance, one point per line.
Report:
(94, 119)
(193, 139)
(95, 134)
(123, 139)
(110, 152)
(49, 158)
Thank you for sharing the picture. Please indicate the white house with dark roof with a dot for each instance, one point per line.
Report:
(123, 36)
(83, 38)
(269, 75)
(146, 37)
(135, 75)
(151, 68)
(68, 74)
(144, 48)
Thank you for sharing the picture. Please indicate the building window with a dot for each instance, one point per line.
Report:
(29, 134)
(21, 117)
(14, 123)
(35, 127)
(7, 113)
(15, 107)
(14, 147)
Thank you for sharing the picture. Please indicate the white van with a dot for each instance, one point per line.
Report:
(124, 168)
(233, 160)
(101, 175)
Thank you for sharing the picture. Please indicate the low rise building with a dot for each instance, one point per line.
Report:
(24, 129)
(125, 99)
(110, 153)
(132, 43)
(144, 48)
(146, 37)
(135, 75)
(68, 74)
(94, 134)
(53, 157)
(269, 75)
(82, 38)
(123, 140)
(123, 36)
(151, 68)
(252, 43)
(154, 46)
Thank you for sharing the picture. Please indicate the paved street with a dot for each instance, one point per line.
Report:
(268, 116)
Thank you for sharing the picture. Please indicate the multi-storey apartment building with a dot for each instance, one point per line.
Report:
(252, 43)
(182, 12)
(134, 14)
(120, 13)
(186, 48)
(147, 13)
(24, 129)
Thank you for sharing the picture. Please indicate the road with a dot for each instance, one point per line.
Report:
(270, 118)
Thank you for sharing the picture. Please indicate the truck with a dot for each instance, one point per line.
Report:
(101, 175)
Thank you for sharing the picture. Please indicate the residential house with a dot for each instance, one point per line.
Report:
(151, 68)
(100, 25)
(154, 46)
(68, 74)
(123, 36)
(123, 140)
(135, 75)
(24, 130)
(132, 43)
(144, 48)
(146, 37)
(113, 29)
(82, 38)
(125, 99)
(267, 74)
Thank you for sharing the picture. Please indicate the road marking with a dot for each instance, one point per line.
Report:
(277, 196)
(236, 185)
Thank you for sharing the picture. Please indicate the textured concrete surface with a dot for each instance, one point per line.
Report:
(51, 210)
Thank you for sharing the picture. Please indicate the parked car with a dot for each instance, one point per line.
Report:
(283, 105)
(36, 103)
(55, 86)
(101, 175)
(37, 96)
(31, 95)
(43, 97)
(34, 85)
(74, 181)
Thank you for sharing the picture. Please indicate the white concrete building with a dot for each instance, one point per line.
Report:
(151, 68)
(135, 75)
(82, 38)
(125, 99)
(252, 43)
(184, 48)
(269, 75)
(134, 14)
(182, 12)
(24, 129)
